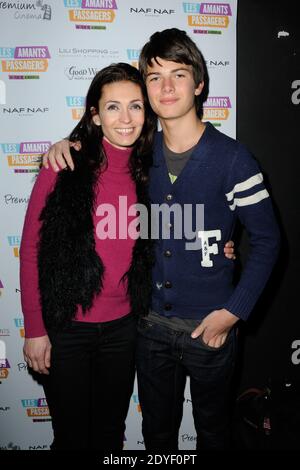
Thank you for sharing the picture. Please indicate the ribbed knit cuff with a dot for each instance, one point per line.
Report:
(36, 328)
(241, 303)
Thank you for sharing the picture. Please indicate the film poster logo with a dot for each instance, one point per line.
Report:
(133, 57)
(216, 109)
(37, 409)
(19, 324)
(25, 157)
(208, 18)
(4, 364)
(24, 62)
(91, 14)
(136, 402)
(76, 105)
(14, 241)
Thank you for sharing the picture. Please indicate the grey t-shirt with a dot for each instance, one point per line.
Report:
(176, 161)
(174, 323)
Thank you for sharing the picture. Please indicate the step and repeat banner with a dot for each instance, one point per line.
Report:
(49, 52)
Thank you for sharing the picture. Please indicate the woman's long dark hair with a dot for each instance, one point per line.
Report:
(90, 135)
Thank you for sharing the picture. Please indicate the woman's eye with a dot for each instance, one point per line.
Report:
(137, 107)
(112, 107)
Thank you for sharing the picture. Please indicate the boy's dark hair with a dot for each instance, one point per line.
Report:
(175, 45)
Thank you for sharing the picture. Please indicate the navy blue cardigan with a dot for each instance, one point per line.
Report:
(223, 176)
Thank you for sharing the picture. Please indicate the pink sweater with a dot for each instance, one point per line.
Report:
(112, 302)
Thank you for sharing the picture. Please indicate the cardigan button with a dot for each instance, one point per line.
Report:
(168, 284)
(168, 253)
(169, 197)
(168, 307)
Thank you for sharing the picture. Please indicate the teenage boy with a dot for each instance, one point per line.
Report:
(190, 329)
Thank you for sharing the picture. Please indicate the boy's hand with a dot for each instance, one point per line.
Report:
(215, 327)
(229, 250)
(59, 155)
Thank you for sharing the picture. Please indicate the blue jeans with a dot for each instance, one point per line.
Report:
(164, 358)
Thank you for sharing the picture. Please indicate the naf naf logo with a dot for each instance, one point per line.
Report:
(216, 109)
(10, 446)
(24, 111)
(25, 157)
(24, 10)
(76, 105)
(14, 242)
(91, 14)
(217, 64)
(4, 409)
(39, 447)
(208, 18)
(24, 62)
(19, 324)
(36, 409)
(152, 11)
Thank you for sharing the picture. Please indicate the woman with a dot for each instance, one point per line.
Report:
(79, 321)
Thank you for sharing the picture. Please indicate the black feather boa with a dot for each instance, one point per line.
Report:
(70, 270)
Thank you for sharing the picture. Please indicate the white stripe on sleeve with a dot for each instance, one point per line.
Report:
(247, 201)
(244, 185)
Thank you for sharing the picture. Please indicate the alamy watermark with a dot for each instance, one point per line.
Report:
(296, 354)
(159, 221)
(296, 94)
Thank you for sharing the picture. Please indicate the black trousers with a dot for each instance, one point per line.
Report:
(90, 384)
(164, 358)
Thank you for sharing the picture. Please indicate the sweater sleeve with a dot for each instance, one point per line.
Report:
(248, 197)
(30, 298)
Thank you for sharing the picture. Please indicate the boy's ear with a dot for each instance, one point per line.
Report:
(199, 89)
